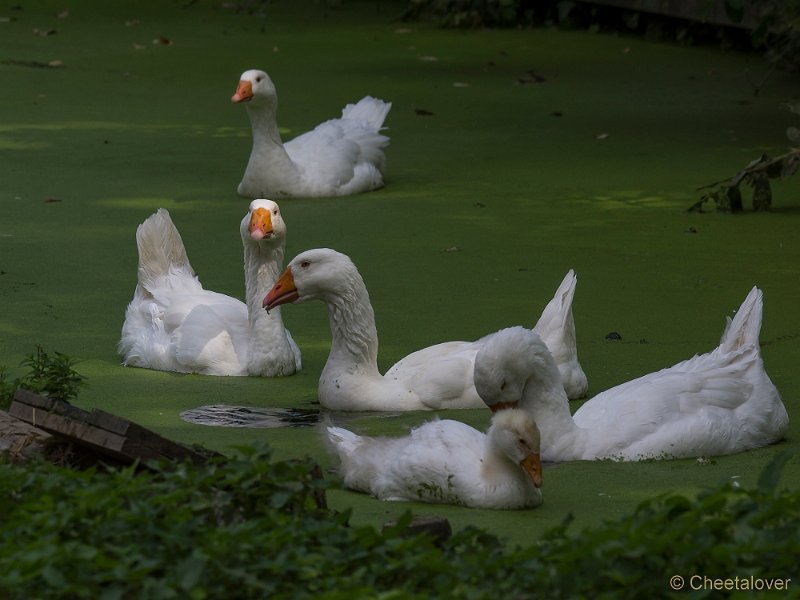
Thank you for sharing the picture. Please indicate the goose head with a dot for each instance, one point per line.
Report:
(321, 273)
(516, 435)
(505, 362)
(255, 87)
(263, 223)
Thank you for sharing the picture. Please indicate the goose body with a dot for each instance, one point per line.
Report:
(339, 157)
(447, 462)
(721, 402)
(438, 377)
(174, 324)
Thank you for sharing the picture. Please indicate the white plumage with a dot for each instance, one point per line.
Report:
(437, 377)
(173, 324)
(339, 157)
(447, 462)
(721, 402)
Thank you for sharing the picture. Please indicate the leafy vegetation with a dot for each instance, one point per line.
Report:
(51, 376)
(249, 527)
(470, 13)
(773, 25)
(777, 32)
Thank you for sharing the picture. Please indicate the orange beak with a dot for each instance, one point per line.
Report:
(283, 292)
(501, 406)
(260, 224)
(533, 468)
(243, 93)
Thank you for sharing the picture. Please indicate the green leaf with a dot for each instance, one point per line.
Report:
(190, 570)
(762, 191)
(735, 10)
(53, 576)
(789, 165)
(771, 475)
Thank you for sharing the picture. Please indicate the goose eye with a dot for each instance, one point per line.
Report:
(503, 386)
(275, 211)
(258, 79)
(305, 264)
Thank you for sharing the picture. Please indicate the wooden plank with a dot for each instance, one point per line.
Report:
(96, 417)
(56, 424)
(20, 441)
(100, 431)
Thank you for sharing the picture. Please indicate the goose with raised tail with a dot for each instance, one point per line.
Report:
(173, 324)
(438, 377)
(337, 158)
(721, 402)
(447, 462)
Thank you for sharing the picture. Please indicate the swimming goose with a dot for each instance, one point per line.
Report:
(447, 462)
(173, 324)
(339, 157)
(437, 377)
(721, 402)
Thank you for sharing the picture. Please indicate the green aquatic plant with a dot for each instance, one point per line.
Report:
(49, 375)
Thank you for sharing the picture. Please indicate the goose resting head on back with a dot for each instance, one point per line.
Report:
(447, 462)
(721, 402)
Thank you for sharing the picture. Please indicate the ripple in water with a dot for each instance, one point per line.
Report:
(222, 415)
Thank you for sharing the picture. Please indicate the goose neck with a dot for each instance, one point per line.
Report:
(264, 126)
(262, 266)
(353, 331)
(545, 400)
(267, 332)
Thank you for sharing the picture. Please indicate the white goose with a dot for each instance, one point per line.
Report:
(173, 324)
(434, 378)
(339, 157)
(447, 462)
(721, 402)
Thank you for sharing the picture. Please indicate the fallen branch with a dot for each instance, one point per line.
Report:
(726, 193)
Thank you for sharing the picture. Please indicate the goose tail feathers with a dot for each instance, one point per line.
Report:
(161, 250)
(556, 327)
(743, 330)
(369, 111)
(342, 442)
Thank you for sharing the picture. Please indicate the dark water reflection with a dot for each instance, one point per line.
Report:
(223, 415)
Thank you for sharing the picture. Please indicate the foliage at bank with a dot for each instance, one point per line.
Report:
(251, 527)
